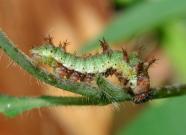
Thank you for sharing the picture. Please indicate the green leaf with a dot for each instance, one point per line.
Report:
(138, 19)
(164, 118)
(175, 46)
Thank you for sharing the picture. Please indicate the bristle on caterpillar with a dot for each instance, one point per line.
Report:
(49, 39)
(130, 70)
(105, 46)
(64, 45)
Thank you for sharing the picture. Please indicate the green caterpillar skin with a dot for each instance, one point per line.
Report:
(133, 70)
(93, 65)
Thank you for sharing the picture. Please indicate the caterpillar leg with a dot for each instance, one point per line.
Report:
(75, 76)
(63, 72)
(142, 97)
(60, 72)
(88, 78)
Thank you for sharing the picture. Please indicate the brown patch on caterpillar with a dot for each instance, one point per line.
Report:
(63, 72)
(143, 80)
(69, 73)
(77, 76)
(143, 84)
(125, 55)
(82, 76)
(142, 91)
(88, 78)
(87, 56)
(119, 76)
(74, 75)
(124, 83)
(139, 68)
(108, 72)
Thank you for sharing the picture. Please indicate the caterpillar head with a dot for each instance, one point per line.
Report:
(43, 54)
(43, 51)
(140, 84)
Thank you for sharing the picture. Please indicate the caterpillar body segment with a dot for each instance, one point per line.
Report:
(91, 65)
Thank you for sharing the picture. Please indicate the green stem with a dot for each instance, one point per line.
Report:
(169, 91)
(12, 106)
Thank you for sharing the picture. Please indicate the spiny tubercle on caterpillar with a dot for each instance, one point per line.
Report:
(131, 71)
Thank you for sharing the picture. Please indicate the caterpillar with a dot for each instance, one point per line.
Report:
(130, 70)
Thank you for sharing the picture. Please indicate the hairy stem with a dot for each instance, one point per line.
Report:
(25, 62)
(12, 106)
(169, 91)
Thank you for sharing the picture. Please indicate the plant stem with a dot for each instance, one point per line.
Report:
(169, 91)
(12, 106)
(25, 62)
